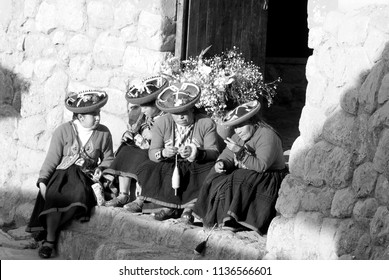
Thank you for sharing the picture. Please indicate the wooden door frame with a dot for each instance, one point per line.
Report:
(181, 28)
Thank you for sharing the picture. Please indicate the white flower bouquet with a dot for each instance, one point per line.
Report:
(226, 80)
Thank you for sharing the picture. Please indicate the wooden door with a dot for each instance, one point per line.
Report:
(222, 24)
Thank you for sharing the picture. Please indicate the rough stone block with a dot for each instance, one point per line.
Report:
(55, 89)
(381, 162)
(280, 239)
(117, 104)
(338, 129)
(364, 210)
(98, 77)
(349, 101)
(31, 129)
(129, 33)
(327, 240)
(364, 248)
(36, 44)
(347, 236)
(375, 44)
(33, 102)
(80, 66)
(100, 14)
(343, 203)
(364, 180)
(350, 5)
(297, 157)
(379, 18)
(290, 195)
(46, 18)
(72, 14)
(108, 50)
(26, 69)
(353, 30)
(126, 14)
(317, 199)
(29, 160)
(314, 172)
(30, 7)
(44, 68)
(369, 89)
(80, 44)
(142, 61)
(383, 93)
(379, 227)
(382, 190)
(332, 22)
(311, 123)
(307, 234)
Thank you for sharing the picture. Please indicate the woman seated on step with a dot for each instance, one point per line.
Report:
(182, 138)
(136, 140)
(79, 150)
(242, 188)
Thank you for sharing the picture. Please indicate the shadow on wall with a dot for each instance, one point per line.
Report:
(11, 88)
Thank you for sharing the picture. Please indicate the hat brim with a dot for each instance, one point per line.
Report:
(178, 109)
(149, 97)
(243, 118)
(89, 109)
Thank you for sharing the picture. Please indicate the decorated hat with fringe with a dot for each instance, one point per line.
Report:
(86, 101)
(145, 91)
(178, 98)
(241, 113)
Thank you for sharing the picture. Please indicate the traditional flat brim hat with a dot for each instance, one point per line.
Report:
(241, 113)
(86, 101)
(146, 91)
(178, 98)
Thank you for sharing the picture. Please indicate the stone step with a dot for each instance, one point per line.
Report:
(113, 233)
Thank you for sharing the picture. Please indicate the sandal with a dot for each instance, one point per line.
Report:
(134, 207)
(119, 201)
(187, 217)
(166, 214)
(46, 251)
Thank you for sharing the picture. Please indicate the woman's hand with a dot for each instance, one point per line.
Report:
(219, 167)
(185, 151)
(169, 151)
(232, 146)
(42, 189)
(127, 136)
(97, 175)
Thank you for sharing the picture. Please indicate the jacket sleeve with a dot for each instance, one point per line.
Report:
(210, 152)
(266, 148)
(107, 152)
(157, 140)
(53, 156)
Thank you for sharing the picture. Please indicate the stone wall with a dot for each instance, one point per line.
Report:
(334, 204)
(51, 47)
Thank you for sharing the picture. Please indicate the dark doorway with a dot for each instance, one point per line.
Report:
(286, 57)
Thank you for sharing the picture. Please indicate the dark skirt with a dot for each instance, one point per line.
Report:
(247, 196)
(66, 189)
(127, 160)
(156, 182)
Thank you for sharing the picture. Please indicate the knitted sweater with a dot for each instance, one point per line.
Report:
(64, 150)
(263, 151)
(204, 136)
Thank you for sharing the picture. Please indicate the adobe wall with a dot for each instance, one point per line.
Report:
(50, 47)
(334, 204)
